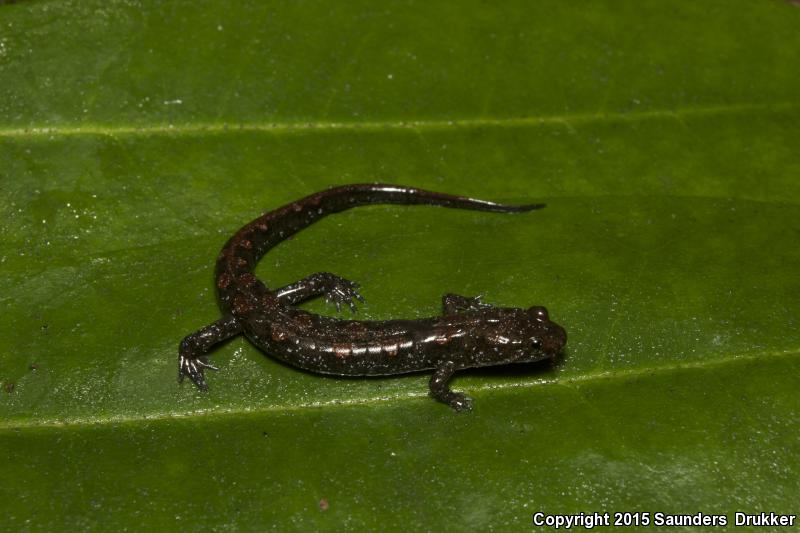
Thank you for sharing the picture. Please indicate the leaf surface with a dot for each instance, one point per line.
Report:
(135, 138)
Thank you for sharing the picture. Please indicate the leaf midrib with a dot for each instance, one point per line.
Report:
(623, 374)
(199, 128)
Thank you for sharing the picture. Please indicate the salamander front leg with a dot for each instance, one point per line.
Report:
(337, 291)
(191, 362)
(441, 391)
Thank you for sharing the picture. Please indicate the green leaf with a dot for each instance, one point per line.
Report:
(136, 137)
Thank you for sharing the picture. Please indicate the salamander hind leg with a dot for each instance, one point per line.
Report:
(336, 290)
(441, 390)
(454, 304)
(191, 354)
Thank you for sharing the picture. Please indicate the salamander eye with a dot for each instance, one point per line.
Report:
(539, 313)
(536, 343)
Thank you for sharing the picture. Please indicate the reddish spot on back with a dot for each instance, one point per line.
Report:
(303, 319)
(241, 305)
(279, 334)
(223, 280)
(247, 279)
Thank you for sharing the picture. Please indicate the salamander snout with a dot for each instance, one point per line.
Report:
(555, 340)
(549, 338)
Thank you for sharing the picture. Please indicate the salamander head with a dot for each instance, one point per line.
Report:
(525, 336)
(546, 338)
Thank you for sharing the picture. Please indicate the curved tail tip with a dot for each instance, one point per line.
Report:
(530, 207)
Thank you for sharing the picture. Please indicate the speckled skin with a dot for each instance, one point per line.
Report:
(468, 334)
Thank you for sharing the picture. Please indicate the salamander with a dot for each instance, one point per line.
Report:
(469, 333)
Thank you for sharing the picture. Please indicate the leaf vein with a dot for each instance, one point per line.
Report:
(568, 120)
(14, 425)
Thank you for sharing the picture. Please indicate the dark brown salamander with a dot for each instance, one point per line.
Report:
(468, 334)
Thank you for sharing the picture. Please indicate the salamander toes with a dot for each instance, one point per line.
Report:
(192, 367)
(344, 293)
(203, 362)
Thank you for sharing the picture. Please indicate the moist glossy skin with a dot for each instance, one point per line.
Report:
(468, 334)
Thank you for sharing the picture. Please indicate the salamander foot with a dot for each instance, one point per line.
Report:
(337, 290)
(441, 391)
(343, 292)
(191, 361)
(192, 367)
